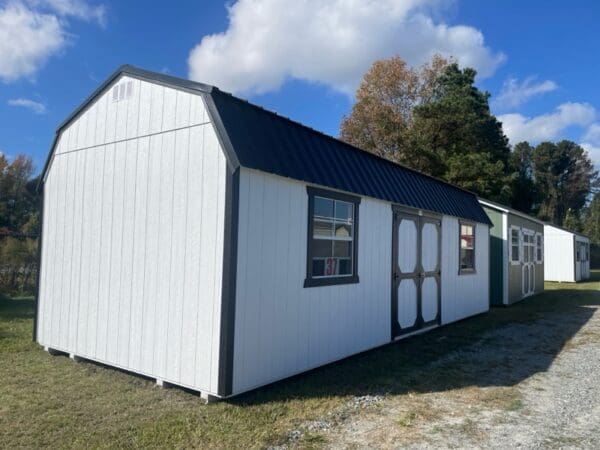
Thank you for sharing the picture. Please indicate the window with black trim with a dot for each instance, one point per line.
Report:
(332, 238)
(467, 248)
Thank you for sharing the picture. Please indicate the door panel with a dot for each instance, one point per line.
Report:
(415, 272)
(407, 241)
(429, 296)
(407, 303)
(429, 248)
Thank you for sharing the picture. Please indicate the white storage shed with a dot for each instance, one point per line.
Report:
(567, 255)
(195, 238)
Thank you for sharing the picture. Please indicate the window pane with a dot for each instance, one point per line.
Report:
(331, 246)
(345, 266)
(321, 248)
(318, 267)
(342, 249)
(323, 228)
(343, 211)
(466, 242)
(515, 237)
(343, 230)
(323, 207)
(467, 259)
(515, 253)
(467, 239)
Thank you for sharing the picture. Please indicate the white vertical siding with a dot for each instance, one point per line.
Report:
(133, 237)
(468, 294)
(151, 109)
(282, 328)
(559, 254)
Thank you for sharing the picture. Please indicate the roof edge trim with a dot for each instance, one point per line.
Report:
(508, 210)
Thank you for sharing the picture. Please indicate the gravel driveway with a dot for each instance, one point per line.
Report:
(536, 385)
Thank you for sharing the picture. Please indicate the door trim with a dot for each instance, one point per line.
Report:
(418, 275)
(527, 249)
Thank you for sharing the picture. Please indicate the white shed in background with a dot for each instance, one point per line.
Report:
(195, 238)
(567, 255)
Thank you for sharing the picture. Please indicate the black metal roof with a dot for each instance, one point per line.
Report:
(255, 138)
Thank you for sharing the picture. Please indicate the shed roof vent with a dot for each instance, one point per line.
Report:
(122, 91)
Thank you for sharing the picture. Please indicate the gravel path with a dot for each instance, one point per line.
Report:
(536, 386)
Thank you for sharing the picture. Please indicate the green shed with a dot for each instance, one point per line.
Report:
(516, 254)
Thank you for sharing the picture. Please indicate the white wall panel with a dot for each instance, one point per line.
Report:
(559, 254)
(468, 294)
(151, 108)
(281, 327)
(133, 111)
(133, 237)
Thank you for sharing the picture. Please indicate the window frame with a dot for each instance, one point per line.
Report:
(311, 281)
(539, 236)
(519, 245)
(473, 270)
(528, 246)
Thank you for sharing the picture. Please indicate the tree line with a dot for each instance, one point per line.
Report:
(19, 225)
(434, 119)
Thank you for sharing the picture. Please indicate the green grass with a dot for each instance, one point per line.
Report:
(52, 401)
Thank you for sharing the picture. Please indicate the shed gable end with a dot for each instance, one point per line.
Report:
(130, 108)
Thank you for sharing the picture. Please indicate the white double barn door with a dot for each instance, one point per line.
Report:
(416, 272)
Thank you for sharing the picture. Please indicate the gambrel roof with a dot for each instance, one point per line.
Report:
(259, 139)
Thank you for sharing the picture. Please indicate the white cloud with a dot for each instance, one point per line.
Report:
(27, 40)
(544, 127)
(592, 134)
(270, 41)
(36, 107)
(591, 142)
(514, 94)
(593, 152)
(72, 8)
(33, 31)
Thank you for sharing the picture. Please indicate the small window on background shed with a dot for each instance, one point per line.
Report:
(515, 245)
(332, 238)
(539, 248)
(467, 247)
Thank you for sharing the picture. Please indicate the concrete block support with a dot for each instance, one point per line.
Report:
(208, 398)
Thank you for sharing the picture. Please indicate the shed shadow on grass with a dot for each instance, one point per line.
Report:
(19, 308)
(497, 349)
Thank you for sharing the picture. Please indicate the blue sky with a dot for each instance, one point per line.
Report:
(302, 59)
